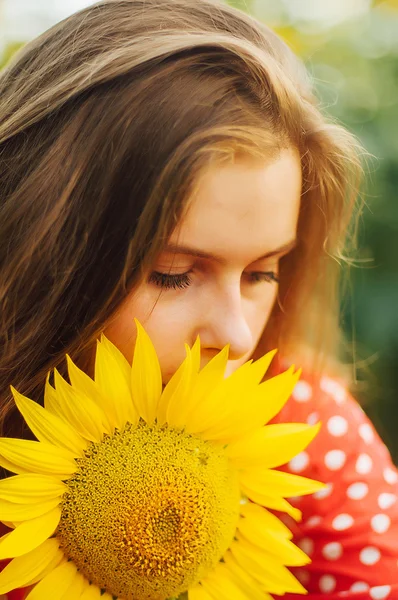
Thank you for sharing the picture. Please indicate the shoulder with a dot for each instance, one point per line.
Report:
(347, 445)
(352, 524)
(347, 438)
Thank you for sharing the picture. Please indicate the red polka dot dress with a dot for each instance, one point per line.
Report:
(349, 529)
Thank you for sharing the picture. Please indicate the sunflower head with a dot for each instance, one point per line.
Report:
(168, 516)
(132, 491)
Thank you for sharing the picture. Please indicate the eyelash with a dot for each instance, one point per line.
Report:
(183, 280)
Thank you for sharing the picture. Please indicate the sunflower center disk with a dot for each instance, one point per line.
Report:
(149, 512)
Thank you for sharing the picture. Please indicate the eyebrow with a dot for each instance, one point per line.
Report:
(176, 249)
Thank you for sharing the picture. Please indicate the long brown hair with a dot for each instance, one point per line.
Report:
(106, 122)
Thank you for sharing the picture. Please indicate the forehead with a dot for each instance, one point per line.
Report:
(244, 209)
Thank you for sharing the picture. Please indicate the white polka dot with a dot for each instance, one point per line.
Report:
(327, 385)
(314, 521)
(340, 395)
(299, 462)
(357, 490)
(334, 389)
(332, 551)
(390, 475)
(313, 418)
(337, 426)
(306, 545)
(379, 592)
(295, 499)
(342, 522)
(364, 464)
(327, 583)
(335, 459)
(359, 586)
(302, 391)
(386, 500)
(303, 576)
(366, 433)
(380, 523)
(369, 555)
(325, 492)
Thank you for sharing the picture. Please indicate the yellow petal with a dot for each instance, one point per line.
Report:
(55, 585)
(112, 374)
(125, 409)
(221, 586)
(268, 570)
(210, 378)
(259, 367)
(212, 373)
(245, 406)
(92, 592)
(83, 414)
(277, 545)
(272, 502)
(283, 550)
(22, 512)
(57, 559)
(27, 456)
(243, 579)
(47, 427)
(199, 593)
(174, 390)
(29, 535)
(21, 570)
(222, 406)
(50, 397)
(265, 519)
(271, 446)
(266, 481)
(276, 391)
(89, 388)
(30, 488)
(76, 589)
(206, 401)
(234, 406)
(146, 376)
(179, 405)
(196, 355)
(176, 400)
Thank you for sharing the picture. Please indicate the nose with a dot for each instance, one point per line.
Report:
(225, 322)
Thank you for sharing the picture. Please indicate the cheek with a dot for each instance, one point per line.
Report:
(167, 324)
(259, 306)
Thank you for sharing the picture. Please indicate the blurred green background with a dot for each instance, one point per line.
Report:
(351, 49)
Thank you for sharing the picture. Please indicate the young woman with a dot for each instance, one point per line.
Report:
(166, 160)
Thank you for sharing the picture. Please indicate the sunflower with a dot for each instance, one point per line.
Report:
(134, 492)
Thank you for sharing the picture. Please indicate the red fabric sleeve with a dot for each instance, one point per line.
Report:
(350, 530)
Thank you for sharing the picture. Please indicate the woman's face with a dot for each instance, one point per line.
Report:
(217, 277)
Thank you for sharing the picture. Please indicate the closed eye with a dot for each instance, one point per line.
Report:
(167, 281)
(181, 281)
(268, 276)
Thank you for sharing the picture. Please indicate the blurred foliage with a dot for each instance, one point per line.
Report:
(9, 51)
(354, 65)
